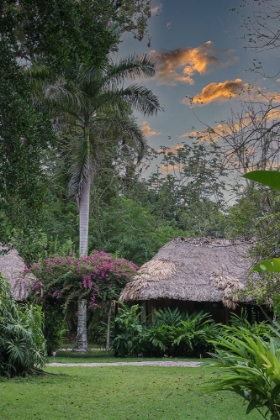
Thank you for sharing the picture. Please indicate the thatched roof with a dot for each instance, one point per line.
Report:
(194, 269)
(12, 268)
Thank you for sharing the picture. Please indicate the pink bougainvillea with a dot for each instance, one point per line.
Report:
(96, 277)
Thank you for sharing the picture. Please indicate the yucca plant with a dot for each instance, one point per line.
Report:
(22, 344)
(250, 367)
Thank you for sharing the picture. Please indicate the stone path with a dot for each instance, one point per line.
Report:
(159, 363)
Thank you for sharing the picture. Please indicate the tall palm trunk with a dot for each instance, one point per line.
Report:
(84, 200)
(84, 217)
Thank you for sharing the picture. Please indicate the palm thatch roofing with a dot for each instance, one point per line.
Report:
(193, 269)
(12, 269)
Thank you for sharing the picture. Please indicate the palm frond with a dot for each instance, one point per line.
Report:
(141, 99)
(134, 137)
(60, 93)
(132, 67)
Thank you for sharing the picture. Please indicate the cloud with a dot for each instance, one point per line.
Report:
(223, 91)
(147, 131)
(168, 169)
(271, 97)
(221, 130)
(156, 9)
(220, 92)
(180, 65)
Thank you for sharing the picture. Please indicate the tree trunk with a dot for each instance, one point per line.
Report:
(108, 327)
(84, 199)
(84, 217)
(82, 343)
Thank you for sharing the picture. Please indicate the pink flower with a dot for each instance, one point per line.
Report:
(37, 285)
(54, 294)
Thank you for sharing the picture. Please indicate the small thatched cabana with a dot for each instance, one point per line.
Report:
(12, 268)
(193, 274)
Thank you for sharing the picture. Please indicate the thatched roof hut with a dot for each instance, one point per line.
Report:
(193, 269)
(12, 269)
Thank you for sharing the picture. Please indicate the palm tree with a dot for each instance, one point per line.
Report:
(94, 103)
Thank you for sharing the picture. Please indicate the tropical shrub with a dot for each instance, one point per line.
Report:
(99, 276)
(162, 339)
(250, 367)
(22, 343)
(64, 281)
(129, 332)
(173, 334)
(54, 328)
(168, 317)
(240, 323)
(195, 334)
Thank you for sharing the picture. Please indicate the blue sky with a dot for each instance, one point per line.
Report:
(199, 53)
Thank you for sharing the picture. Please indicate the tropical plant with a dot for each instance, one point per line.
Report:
(172, 333)
(169, 317)
(195, 333)
(268, 283)
(272, 180)
(22, 344)
(260, 329)
(64, 281)
(249, 367)
(128, 332)
(96, 105)
(251, 364)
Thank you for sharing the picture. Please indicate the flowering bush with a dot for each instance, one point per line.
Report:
(98, 277)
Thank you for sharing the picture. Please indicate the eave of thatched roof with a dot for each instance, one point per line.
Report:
(12, 269)
(193, 269)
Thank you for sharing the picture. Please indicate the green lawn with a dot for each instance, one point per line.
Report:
(119, 393)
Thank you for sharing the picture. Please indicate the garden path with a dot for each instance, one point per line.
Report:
(159, 363)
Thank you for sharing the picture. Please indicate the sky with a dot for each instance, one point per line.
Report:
(201, 67)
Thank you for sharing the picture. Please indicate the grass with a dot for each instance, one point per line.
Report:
(119, 393)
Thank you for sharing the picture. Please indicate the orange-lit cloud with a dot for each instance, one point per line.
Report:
(221, 130)
(156, 9)
(271, 97)
(147, 131)
(168, 169)
(223, 91)
(220, 92)
(172, 149)
(180, 65)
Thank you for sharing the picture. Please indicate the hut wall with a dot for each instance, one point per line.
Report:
(219, 312)
(216, 309)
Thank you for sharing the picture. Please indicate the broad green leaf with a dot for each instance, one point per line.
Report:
(252, 405)
(272, 265)
(269, 178)
(276, 391)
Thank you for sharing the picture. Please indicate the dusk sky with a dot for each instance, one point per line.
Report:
(199, 52)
